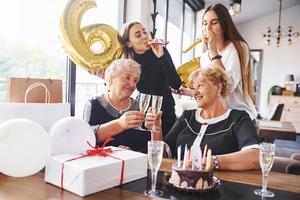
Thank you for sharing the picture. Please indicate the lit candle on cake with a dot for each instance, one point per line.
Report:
(204, 154)
(208, 160)
(178, 155)
(199, 158)
(185, 155)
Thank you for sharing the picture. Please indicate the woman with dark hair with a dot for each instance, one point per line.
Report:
(228, 49)
(158, 73)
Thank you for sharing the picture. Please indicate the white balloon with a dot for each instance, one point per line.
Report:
(70, 135)
(24, 147)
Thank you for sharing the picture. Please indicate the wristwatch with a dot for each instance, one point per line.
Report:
(215, 161)
(216, 57)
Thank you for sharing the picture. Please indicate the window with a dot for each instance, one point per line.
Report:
(188, 32)
(88, 85)
(160, 19)
(180, 32)
(174, 30)
(30, 44)
(180, 28)
(29, 41)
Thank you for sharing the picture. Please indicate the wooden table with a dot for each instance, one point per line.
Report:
(282, 181)
(296, 126)
(271, 130)
(34, 187)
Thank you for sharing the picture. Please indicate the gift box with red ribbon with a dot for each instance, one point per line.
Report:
(84, 174)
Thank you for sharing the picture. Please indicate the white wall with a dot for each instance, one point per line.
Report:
(277, 62)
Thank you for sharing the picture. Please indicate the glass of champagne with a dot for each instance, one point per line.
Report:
(156, 103)
(266, 158)
(143, 105)
(155, 154)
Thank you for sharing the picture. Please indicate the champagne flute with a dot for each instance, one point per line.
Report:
(143, 105)
(266, 158)
(156, 103)
(155, 154)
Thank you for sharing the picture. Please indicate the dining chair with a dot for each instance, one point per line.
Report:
(276, 112)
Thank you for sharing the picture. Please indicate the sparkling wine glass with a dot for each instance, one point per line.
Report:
(143, 105)
(266, 158)
(155, 154)
(156, 103)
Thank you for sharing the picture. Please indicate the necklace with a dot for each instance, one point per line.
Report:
(119, 110)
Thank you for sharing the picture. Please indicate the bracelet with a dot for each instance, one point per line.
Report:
(216, 57)
(215, 162)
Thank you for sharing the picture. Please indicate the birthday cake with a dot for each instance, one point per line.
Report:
(195, 172)
(191, 179)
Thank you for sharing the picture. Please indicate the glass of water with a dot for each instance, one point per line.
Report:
(266, 158)
(155, 154)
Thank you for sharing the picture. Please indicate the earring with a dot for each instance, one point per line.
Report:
(107, 87)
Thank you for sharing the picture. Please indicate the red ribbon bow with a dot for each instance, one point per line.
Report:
(95, 151)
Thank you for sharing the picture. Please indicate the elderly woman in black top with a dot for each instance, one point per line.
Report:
(230, 134)
(158, 73)
(116, 114)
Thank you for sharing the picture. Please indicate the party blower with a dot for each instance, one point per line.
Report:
(198, 41)
(159, 41)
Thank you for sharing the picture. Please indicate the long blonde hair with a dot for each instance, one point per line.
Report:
(232, 34)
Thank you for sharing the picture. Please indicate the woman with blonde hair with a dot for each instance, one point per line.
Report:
(229, 133)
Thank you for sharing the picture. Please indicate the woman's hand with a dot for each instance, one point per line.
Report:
(124, 147)
(157, 48)
(131, 119)
(153, 123)
(150, 119)
(97, 72)
(210, 42)
(186, 91)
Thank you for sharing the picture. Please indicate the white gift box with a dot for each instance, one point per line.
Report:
(91, 174)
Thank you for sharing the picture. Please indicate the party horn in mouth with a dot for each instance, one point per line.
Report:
(159, 41)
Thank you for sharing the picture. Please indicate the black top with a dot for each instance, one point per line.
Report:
(157, 76)
(228, 134)
(98, 111)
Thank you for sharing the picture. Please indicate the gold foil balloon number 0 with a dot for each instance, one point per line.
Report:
(93, 46)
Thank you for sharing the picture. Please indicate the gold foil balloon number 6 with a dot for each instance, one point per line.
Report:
(93, 46)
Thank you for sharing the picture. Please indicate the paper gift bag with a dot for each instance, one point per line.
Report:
(33, 90)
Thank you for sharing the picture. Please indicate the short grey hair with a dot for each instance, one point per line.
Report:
(119, 66)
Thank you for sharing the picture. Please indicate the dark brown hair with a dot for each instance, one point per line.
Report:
(230, 33)
(124, 39)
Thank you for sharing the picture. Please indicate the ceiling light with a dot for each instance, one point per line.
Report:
(235, 7)
(279, 32)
